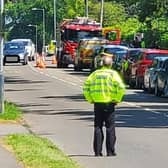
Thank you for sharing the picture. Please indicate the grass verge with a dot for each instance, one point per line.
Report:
(11, 112)
(37, 152)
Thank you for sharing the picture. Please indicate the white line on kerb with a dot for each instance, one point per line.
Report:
(51, 76)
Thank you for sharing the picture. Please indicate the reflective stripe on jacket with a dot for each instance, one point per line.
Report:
(104, 86)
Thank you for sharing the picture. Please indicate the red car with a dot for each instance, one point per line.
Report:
(145, 59)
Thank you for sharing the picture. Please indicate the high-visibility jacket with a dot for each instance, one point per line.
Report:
(125, 65)
(104, 86)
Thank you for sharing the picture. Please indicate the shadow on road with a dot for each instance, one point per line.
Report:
(79, 73)
(140, 97)
(139, 118)
(17, 80)
(72, 97)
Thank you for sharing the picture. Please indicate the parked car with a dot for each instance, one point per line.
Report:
(117, 50)
(86, 51)
(145, 59)
(151, 73)
(129, 60)
(30, 47)
(161, 85)
(15, 52)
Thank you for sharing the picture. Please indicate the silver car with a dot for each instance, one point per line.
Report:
(15, 52)
(29, 46)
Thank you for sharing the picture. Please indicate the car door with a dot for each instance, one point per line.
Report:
(161, 78)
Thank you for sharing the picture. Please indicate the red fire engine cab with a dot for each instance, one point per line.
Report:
(72, 30)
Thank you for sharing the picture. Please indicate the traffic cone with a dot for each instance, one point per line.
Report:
(54, 60)
(43, 59)
(42, 63)
(37, 60)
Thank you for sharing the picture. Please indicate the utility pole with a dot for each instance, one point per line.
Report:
(101, 13)
(1, 56)
(86, 8)
(35, 26)
(43, 10)
(55, 21)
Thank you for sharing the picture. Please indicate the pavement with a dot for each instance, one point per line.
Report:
(7, 159)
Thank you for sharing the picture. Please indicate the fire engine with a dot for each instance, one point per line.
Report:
(72, 30)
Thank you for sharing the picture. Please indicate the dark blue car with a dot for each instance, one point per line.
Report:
(15, 52)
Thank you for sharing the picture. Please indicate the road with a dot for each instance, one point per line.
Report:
(54, 108)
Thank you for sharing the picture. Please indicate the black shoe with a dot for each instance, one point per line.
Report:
(98, 154)
(111, 154)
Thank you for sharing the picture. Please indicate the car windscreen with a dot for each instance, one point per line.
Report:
(151, 56)
(74, 35)
(113, 50)
(119, 55)
(25, 43)
(134, 54)
(13, 46)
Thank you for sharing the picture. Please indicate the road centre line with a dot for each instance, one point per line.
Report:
(141, 107)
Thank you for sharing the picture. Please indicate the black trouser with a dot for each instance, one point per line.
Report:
(104, 113)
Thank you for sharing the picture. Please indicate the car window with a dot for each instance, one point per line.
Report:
(152, 56)
(26, 43)
(113, 50)
(140, 56)
(119, 55)
(154, 64)
(166, 66)
(133, 55)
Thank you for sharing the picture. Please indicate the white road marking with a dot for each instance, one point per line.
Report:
(52, 76)
(80, 86)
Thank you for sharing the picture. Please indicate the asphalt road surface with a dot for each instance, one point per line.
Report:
(54, 107)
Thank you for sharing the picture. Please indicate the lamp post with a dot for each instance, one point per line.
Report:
(55, 21)
(38, 9)
(36, 36)
(1, 56)
(86, 8)
(101, 13)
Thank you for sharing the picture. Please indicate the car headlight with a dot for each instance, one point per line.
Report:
(21, 55)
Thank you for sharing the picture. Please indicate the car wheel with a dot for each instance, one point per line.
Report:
(165, 91)
(59, 64)
(157, 91)
(77, 67)
(137, 84)
(33, 58)
(29, 58)
(150, 89)
(25, 61)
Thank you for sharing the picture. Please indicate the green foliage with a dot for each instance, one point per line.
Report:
(11, 112)
(113, 13)
(36, 152)
(130, 16)
(164, 40)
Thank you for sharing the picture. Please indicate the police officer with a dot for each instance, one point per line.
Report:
(104, 88)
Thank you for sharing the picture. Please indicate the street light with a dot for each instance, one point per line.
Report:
(55, 21)
(86, 8)
(101, 12)
(30, 25)
(38, 9)
(1, 56)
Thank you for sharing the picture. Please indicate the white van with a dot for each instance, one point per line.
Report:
(29, 46)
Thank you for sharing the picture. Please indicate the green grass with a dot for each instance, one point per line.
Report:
(37, 152)
(11, 112)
